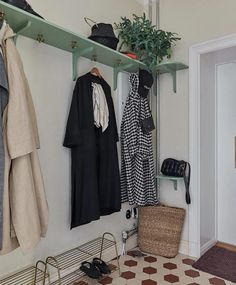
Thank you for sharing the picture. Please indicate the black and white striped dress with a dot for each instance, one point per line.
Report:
(137, 164)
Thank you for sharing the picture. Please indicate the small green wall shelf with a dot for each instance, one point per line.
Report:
(175, 180)
(43, 31)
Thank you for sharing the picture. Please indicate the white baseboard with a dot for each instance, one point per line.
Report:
(184, 247)
(208, 245)
(194, 249)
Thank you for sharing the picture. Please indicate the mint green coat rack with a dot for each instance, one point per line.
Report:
(43, 31)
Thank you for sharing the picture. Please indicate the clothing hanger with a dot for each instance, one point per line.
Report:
(95, 71)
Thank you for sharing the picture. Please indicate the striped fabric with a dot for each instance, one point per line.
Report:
(137, 164)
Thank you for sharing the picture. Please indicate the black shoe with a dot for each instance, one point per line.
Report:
(101, 265)
(24, 5)
(90, 270)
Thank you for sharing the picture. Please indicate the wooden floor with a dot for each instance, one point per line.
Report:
(226, 246)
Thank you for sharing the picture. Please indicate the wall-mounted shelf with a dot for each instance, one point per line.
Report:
(171, 67)
(175, 180)
(43, 31)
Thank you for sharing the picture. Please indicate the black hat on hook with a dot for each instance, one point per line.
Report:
(24, 5)
(103, 33)
(145, 82)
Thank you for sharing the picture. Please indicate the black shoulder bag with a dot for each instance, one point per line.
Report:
(178, 168)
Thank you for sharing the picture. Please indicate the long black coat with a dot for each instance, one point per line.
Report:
(95, 178)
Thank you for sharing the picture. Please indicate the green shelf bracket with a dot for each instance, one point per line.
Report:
(175, 185)
(173, 179)
(116, 71)
(76, 54)
(173, 74)
(171, 67)
(21, 29)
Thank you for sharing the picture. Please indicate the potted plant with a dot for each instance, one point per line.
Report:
(151, 45)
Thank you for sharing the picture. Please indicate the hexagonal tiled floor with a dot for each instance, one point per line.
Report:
(149, 282)
(149, 270)
(192, 273)
(150, 259)
(188, 261)
(170, 265)
(157, 270)
(128, 275)
(106, 280)
(171, 278)
(130, 263)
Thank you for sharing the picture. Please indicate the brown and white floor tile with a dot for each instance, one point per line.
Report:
(156, 270)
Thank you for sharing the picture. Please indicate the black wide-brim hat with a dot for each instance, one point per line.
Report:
(24, 5)
(106, 41)
(104, 34)
(103, 30)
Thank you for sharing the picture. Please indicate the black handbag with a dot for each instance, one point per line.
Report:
(147, 125)
(178, 168)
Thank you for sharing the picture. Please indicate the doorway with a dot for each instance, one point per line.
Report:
(212, 145)
(226, 138)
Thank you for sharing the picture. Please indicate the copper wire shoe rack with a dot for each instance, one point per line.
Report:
(72, 259)
(28, 276)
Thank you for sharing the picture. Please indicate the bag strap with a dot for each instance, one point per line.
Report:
(187, 175)
(88, 20)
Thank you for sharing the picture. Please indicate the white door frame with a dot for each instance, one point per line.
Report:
(194, 132)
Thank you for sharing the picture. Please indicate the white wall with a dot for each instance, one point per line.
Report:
(226, 91)
(49, 71)
(195, 21)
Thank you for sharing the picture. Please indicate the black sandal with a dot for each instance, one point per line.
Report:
(90, 270)
(101, 265)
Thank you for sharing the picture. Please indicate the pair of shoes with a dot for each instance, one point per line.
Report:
(95, 269)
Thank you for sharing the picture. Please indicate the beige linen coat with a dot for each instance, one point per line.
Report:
(25, 209)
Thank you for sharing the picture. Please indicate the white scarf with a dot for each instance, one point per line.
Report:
(100, 108)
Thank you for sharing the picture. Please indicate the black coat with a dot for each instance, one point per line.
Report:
(95, 177)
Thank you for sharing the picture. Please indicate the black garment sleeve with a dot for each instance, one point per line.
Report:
(73, 133)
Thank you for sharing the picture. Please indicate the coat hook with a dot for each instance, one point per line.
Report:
(74, 44)
(40, 38)
(2, 15)
(119, 62)
(94, 58)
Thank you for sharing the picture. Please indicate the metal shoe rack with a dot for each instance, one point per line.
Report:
(67, 261)
(71, 259)
(29, 276)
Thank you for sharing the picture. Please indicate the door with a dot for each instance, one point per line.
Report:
(226, 137)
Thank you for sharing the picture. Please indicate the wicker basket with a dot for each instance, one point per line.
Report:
(160, 230)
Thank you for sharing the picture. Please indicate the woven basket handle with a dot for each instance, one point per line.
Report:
(88, 20)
